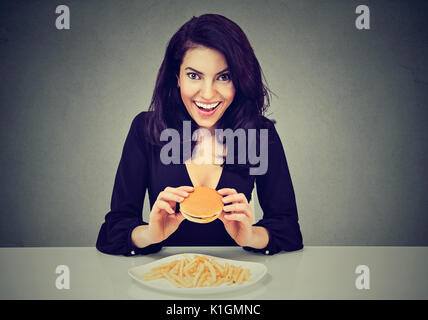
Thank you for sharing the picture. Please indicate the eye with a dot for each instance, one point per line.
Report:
(225, 77)
(193, 75)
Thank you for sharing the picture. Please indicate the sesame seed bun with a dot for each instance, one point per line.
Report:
(203, 205)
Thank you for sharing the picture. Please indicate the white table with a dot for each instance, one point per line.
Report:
(311, 273)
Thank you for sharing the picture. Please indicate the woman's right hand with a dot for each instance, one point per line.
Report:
(163, 220)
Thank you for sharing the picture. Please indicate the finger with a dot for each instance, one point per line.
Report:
(186, 188)
(162, 205)
(179, 191)
(236, 217)
(239, 207)
(238, 197)
(227, 191)
(170, 196)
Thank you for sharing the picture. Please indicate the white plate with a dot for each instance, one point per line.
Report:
(258, 271)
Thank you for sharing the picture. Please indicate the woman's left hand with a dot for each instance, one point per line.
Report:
(237, 216)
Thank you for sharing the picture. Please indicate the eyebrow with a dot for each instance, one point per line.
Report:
(227, 69)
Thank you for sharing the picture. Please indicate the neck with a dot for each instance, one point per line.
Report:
(211, 130)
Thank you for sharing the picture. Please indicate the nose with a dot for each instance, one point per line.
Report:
(208, 91)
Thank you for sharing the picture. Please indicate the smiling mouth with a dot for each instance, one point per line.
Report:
(207, 107)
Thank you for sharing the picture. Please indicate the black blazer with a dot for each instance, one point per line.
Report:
(140, 169)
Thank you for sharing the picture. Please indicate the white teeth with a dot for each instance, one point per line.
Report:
(207, 106)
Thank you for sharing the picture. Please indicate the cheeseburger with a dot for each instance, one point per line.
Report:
(203, 205)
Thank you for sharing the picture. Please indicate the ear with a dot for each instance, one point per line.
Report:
(178, 81)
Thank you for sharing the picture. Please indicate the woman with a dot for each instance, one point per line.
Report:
(211, 79)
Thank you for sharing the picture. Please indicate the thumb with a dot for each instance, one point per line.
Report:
(221, 217)
(179, 217)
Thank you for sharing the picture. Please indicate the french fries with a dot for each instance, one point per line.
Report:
(199, 271)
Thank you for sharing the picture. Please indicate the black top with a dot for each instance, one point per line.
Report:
(140, 169)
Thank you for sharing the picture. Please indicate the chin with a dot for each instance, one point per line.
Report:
(205, 124)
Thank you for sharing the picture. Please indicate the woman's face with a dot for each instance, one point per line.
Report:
(205, 85)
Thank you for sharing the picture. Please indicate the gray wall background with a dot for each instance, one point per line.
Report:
(351, 108)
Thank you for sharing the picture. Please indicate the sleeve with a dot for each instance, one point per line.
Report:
(277, 200)
(128, 198)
